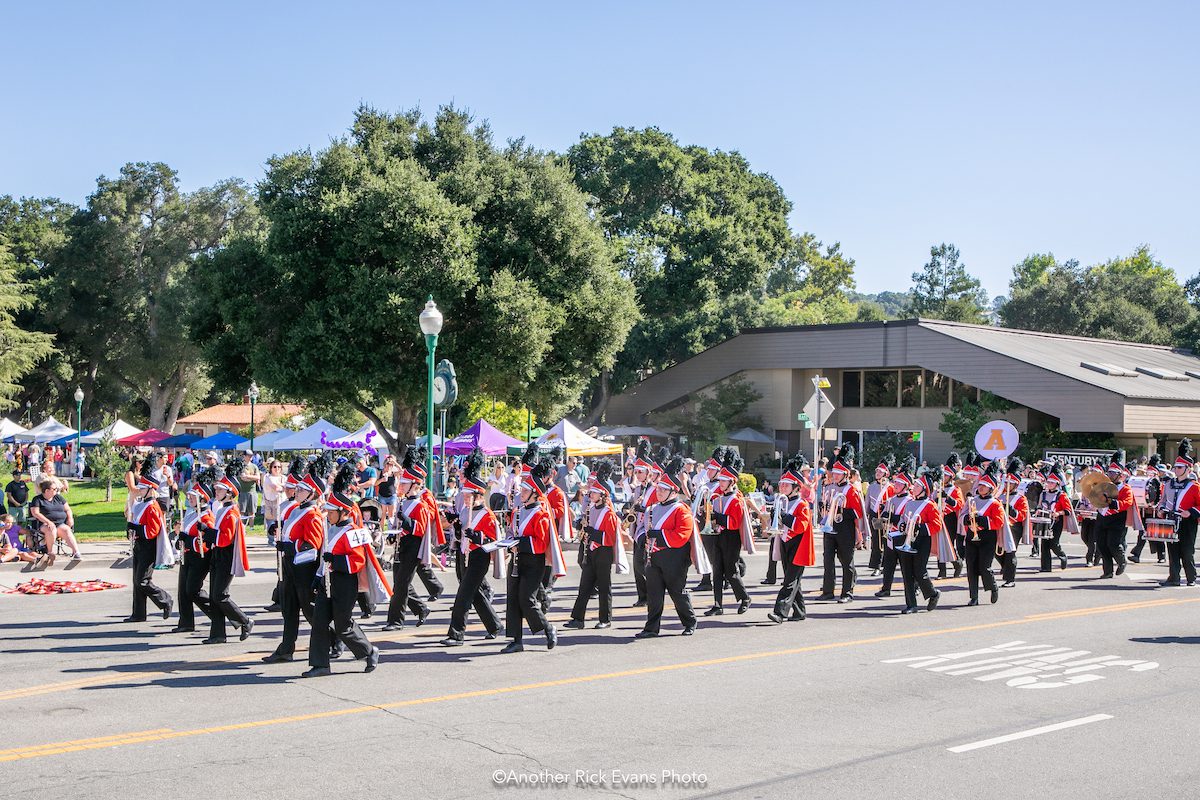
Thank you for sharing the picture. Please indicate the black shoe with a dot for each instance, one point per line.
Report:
(909, 610)
(715, 611)
(602, 625)
(372, 660)
(995, 594)
(931, 604)
(825, 596)
(213, 640)
(689, 630)
(639, 604)
(874, 573)
(1121, 568)
(167, 608)
(513, 647)
(316, 672)
(574, 624)
(491, 635)
(277, 658)
(974, 601)
(245, 634)
(365, 615)
(1062, 562)
(1134, 559)
(1191, 583)
(551, 637)
(744, 606)
(703, 586)
(1043, 570)
(134, 619)
(433, 597)
(1168, 582)
(941, 574)
(182, 629)
(273, 608)
(336, 652)
(767, 582)
(1161, 560)
(884, 593)
(846, 598)
(1105, 575)
(451, 641)
(393, 626)
(778, 620)
(958, 568)
(800, 617)
(645, 635)
(1008, 584)
(422, 615)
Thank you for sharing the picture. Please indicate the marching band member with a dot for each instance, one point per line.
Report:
(951, 501)
(845, 533)
(1183, 500)
(295, 475)
(479, 527)
(795, 542)
(197, 560)
(983, 523)
(1055, 504)
(1152, 496)
(229, 559)
(433, 586)
(890, 516)
(731, 521)
(1016, 506)
(151, 546)
(603, 548)
(922, 525)
(414, 542)
(702, 511)
(560, 521)
(1087, 514)
(1113, 521)
(300, 542)
(878, 494)
(349, 559)
(671, 548)
(533, 549)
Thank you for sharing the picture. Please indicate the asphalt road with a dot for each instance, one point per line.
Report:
(855, 701)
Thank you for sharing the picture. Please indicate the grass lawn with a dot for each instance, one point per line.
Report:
(95, 520)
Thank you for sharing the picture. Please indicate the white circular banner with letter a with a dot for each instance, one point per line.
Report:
(996, 439)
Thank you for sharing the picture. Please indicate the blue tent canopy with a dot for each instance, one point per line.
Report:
(66, 440)
(179, 440)
(265, 442)
(225, 440)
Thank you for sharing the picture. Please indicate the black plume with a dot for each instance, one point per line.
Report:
(972, 458)
(1015, 465)
(540, 472)
(888, 461)
(796, 463)
(147, 467)
(847, 454)
(1154, 461)
(604, 470)
(556, 454)
(718, 454)
(674, 465)
(531, 457)
(234, 467)
(344, 478)
(409, 458)
(207, 478)
(1185, 449)
(953, 462)
(473, 465)
(664, 455)
(733, 462)
(993, 472)
(643, 449)
(422, 455)
(1118, 457)
(909, 467)
(321, 466)
(297, 468)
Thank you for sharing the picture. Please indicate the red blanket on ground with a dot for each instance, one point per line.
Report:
(39, 586)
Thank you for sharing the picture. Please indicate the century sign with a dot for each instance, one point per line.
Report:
(1075, 457)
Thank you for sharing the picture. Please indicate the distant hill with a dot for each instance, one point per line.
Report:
(893, 304)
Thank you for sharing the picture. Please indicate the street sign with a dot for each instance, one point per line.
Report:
(802, 417)
(996, 439)
(819, 410)
(808, 426)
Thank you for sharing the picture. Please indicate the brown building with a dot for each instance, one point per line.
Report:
(904, 375)
(236, 416)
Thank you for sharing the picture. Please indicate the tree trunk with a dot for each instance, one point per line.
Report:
(176, 404)
(600, 398)
(403, 419)
(108, 491)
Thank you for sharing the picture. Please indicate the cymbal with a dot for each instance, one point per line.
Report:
(1097, 488)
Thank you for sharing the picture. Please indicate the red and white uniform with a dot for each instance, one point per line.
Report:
(533, 524)
(304, 527)
(560, 512)
(603, 519)
(149, 515)
(194, 525)
(800, 512)
(737, 517)
(1187, 499)
(350, 551)
(928, 517)
(990, 508)
(232, 533)
(674, 520)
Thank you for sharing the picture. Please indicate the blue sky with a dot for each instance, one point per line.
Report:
(1006, 128)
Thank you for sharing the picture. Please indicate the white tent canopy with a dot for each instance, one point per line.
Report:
(310, 437)
(118, 430)
(750, 435)
(49, 430)
(9, 428)
(575, 441)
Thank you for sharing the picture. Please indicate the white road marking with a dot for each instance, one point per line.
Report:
(1058, 726)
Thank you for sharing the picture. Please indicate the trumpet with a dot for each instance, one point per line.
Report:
(972, 512)
(910, 533)
(834, 502)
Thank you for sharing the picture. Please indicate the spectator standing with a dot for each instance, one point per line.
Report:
(165, 475)
(365, 477)
(184, 465)
(576, 464)
(272, 489)
(131, 479)
(385, 488)
(34, 455)
(248, 484)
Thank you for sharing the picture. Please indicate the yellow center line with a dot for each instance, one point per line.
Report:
(38, 751)
(101, 740)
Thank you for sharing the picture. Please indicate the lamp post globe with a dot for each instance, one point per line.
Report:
(78, 426)
(252, 393)
(431, 326)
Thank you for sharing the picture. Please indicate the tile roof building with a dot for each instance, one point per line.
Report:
(236, 416)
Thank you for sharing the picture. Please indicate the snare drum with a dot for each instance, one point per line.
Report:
(1085, 513)
(1163, 529)
(1043, 526)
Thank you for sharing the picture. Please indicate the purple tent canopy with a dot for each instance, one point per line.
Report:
(493, 442)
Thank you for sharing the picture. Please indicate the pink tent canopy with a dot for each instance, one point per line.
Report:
(152, 436)
(493, 442)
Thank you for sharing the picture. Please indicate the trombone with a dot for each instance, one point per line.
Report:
(972, 513)
(910, 533)
(833, 503)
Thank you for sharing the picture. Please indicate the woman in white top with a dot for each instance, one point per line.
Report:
(272, 489)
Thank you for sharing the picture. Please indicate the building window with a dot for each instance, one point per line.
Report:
(851, 389)
(912, 444)
(937, 390)
(910, 388)
(880, 388)
(960, 393)
(194, 431)
(788, 442)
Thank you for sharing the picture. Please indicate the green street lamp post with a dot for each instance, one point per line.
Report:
(78, 427)
(431, 326)
(252, 393)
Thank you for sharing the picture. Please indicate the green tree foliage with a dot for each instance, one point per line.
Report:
(1134, 298)
(120, 286)
(809, 286)
(699, 232)
(874, 451)
(965, 419)
(707, 418)
(880, 306)
(510, 419)
(107, 462)
(20, 350)
(324, 306)
(944, 289)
